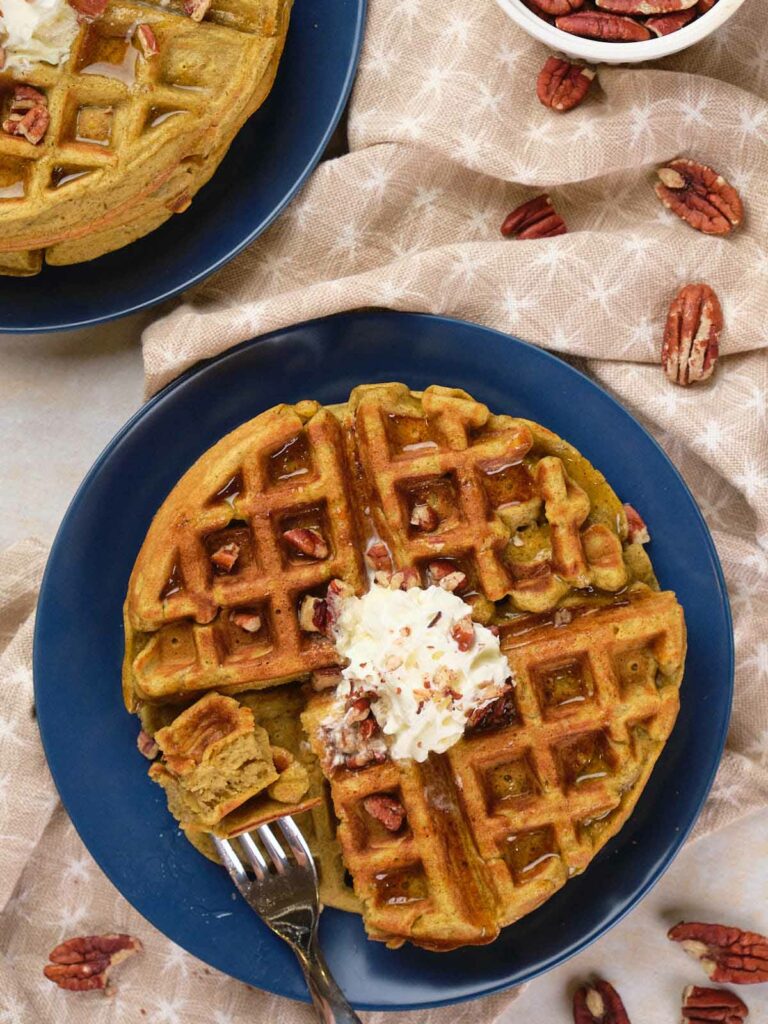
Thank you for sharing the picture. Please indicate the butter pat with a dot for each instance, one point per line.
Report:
(404, 656)
(33, 31)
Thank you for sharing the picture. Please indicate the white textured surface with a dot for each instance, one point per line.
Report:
(63, 396)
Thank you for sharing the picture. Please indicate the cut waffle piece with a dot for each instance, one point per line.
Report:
(497, 507)
(132, 137)
(495, 826)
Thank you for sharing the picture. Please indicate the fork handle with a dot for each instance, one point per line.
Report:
(328, 1000)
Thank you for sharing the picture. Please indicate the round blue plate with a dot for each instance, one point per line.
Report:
(121, 815)
(269, 160)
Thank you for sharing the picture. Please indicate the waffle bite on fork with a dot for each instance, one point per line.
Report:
(557, 660)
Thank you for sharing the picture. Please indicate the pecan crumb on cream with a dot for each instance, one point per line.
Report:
(411, 657)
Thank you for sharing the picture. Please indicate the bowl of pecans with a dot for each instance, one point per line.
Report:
(619, 31)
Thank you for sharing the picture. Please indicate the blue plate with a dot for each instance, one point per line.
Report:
(269, 160)
(121, 815)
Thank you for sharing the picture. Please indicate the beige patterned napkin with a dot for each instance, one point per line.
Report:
(446, 137)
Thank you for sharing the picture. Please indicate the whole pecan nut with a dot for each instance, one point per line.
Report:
(386, 810)
(32, 126)
(692, 335)
(611, 28)
(705, 1005)
(557, 7)
(728, 955)
(664, 24)
(536, 218)
(598, 1003)
(562, 85)
(83, 963)
(700, 196)
(644, 6)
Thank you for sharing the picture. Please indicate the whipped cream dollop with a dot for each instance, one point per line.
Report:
(422, 663)
(32, 31)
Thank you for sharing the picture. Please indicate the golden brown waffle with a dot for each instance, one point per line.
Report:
(523, 528)
(501, 821)
(281, 471)
(131, 138)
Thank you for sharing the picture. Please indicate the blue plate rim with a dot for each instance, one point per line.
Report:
(676, 842)
(259, 229)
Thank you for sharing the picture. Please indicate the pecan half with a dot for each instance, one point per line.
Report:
(555, 7)
(224, 558)
(197, 9)
(250, 622)
(700, 196)
(88, 10)
(612, 28)
(727, 954)
(664, 24)
(692, 335)
(598, 1003)
(644, 6)
(463, 632)
(309, 543)
(562, 85)
(704, 1005)
(146, 40)
(535, 219)
(147, 746)
(424, 518)
(637, 531)
(385, 809)
(83, 963)
(378, 557)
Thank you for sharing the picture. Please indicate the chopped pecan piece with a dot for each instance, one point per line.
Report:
(598, 1003)
(494, 714)
(197, 9)
(403, 579)
(224, 558)
(310, 543)
(700, 196)
(32, 126)
(147, 746)
(562, 85)
(664, 24)
(728, 955)
(83, 963)
(88, 10)
(378, 557)
(248, 621)
(326, 678)
(705, 1005)
(463, 632)
(454, 581)
(387, 810)
(313, 614)
(424, 518)
(692, 335)
(612, 28)
(146, 40)
(26, 97)
(645, 6)
(535, 219)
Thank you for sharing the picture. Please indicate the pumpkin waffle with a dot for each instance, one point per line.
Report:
(132, 136)
(399, 488)
(501, 821)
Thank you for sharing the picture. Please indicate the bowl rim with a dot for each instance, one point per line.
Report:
(598, 51)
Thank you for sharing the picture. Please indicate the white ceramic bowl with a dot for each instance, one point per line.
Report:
(597, 52)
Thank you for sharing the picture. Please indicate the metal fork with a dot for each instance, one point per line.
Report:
(285, 897)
